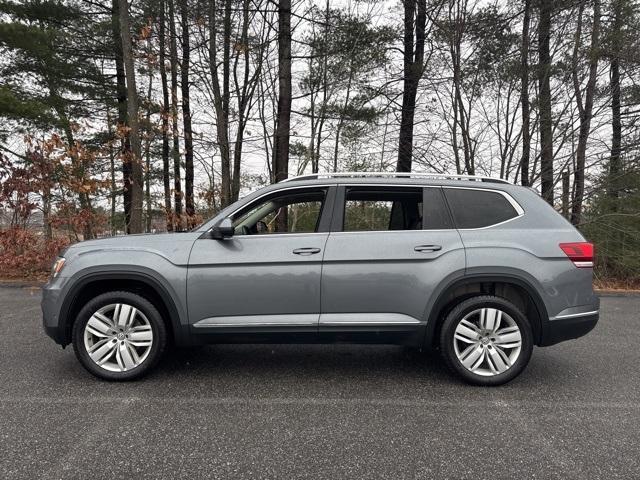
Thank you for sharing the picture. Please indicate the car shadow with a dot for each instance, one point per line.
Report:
(334, 370)
(303, 362)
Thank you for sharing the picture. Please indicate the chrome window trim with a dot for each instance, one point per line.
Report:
(517, 207)
(269, 235)
(393, 231)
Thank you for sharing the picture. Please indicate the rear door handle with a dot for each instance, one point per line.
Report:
(427, 248)
(306, 251)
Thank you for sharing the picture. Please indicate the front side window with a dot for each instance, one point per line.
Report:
(286, 212)
(478, 208)
(378, 209)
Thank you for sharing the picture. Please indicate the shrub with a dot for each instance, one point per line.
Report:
(27, 254)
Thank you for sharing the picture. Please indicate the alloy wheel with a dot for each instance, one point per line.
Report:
(118, 337)
(487, 341)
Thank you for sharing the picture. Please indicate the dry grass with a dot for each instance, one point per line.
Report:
(615, 285)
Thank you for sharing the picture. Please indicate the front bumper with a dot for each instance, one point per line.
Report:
(570, 324)
(51, 306)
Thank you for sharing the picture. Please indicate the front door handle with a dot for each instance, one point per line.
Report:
(427, 248)
(306, 251)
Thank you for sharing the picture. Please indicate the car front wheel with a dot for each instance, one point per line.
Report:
(119, 336)
(486, 340)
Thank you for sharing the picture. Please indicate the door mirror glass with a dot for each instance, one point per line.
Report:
(222, 230)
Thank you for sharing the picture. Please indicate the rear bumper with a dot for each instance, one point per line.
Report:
(567, 326)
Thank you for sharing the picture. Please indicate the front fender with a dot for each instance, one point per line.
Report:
(170, 287)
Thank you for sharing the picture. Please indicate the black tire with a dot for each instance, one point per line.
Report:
(458, 313)
(158, 329)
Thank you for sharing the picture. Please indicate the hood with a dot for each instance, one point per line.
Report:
(174, 247)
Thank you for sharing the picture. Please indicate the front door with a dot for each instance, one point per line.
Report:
(266, 277)
(388, 250)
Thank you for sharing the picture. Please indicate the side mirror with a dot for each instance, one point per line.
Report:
(222, 230)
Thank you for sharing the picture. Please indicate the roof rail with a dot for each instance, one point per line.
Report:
(443, 176)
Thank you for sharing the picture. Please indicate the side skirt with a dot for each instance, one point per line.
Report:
(358, 328)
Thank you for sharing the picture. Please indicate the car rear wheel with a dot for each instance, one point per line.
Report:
(119, 336)
(486, 340)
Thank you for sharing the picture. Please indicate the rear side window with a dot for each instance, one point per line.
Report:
(381, 209)
(478, 208)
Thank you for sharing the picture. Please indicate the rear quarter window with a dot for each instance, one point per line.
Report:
(478, 208)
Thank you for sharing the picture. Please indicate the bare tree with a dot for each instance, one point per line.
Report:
(135, 224)
(221, 94)
(244, 91)
(456, 24)
(415, 19)
(615, 161)
(186, 115)
(122, 121)
(281, 137)
(165, 112)
(585, 110)
(524, 96)
(173, 59)
(544, 99)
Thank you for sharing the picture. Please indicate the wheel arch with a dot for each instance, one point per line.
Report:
(512, 287)
(142, 283)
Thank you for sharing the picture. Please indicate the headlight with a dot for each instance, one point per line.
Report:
(57, 266)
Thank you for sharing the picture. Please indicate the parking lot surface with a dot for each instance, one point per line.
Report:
(313, 411)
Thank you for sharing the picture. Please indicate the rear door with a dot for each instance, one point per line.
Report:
(389, 248)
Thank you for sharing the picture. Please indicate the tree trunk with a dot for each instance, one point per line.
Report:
(615, 162)
(413, 66)
(544, 100)
(586, 113)
(123, 122)
(281, 137)
(221, 95)
(186, 117)
(325, 89)
(46, 213)
(566, 184)
(166, 180)
(173, 59)
(135, 224)
(147, 155)
(524, 96)
(112, 165)
(244, 94)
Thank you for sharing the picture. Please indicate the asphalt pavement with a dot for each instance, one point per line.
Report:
(313, 411)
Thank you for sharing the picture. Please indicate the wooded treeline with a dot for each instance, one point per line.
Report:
(149, 115)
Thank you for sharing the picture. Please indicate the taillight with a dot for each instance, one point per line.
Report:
(580, 253)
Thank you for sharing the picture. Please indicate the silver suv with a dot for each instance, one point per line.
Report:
(476, 267)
